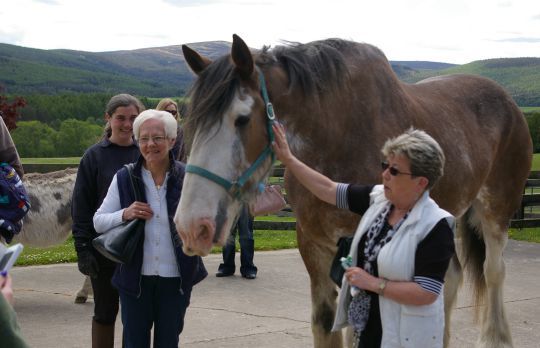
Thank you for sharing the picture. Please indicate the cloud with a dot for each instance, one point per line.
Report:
(48, 2)
(14, 37)
(191, 3)
(520, 40)
(194, 3)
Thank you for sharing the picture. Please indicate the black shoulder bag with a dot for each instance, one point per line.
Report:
(337, 270)
(120, 242)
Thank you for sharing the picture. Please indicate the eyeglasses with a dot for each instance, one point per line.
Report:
(393, 171)
(172, 112)
(157, 139)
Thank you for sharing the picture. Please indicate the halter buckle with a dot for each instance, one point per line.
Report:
(270, 111)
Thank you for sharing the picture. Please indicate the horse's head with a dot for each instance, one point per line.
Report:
(230, 134)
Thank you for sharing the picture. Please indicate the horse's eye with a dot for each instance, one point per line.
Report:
(241, 121)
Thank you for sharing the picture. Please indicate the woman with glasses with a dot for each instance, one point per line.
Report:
(155, 288)
(392, 294)
(179, 148)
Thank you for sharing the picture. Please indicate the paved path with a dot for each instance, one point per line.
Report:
(270, 311)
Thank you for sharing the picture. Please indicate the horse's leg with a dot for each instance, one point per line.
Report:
(452, 282)
(318, 258)
(484, 234)
(495, 331)
(82, 295)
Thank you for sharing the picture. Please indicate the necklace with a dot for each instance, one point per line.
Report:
(158, 187)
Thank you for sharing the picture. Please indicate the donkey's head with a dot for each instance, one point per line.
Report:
(230, 133)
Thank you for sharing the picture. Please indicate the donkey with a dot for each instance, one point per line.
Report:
(340, 101)
(49, 221)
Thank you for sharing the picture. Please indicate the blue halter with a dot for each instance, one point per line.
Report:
(234, 188)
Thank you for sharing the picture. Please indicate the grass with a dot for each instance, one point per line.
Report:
(536, 162)
(530, 108)
(58, 160)
(264, 240)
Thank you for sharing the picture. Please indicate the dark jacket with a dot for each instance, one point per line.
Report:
(127, 277)
(97, 167)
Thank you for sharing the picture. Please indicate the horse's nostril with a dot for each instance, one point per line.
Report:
(204, 232)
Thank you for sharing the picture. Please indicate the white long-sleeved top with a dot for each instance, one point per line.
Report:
(158, 253)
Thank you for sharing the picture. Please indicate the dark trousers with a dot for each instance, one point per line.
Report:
(162, 305)
(105, 297)
(247, 246)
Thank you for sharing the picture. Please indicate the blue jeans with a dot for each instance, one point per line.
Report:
(162, 305)
(247, 246)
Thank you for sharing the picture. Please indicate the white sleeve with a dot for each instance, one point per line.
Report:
(109, 214)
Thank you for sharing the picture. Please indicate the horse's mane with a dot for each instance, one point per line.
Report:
(210, 96)
(319, 69)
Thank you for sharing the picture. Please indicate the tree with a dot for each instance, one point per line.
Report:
(75, 136)
(9, 110)
(34, 139)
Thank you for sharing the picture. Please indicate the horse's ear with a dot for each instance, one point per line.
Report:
(242, 57)
(196, 62)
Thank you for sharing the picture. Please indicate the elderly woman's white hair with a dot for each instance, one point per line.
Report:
(169, 122)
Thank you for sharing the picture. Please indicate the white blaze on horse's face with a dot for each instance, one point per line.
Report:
(206, 212)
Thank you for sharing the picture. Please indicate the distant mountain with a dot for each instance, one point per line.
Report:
(161, 71)
(153, 72)
(519, 76)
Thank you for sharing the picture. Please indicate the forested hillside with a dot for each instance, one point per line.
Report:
(519, 76)
(161, 71)
(152, 72)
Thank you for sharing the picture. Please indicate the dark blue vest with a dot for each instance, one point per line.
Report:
(191, 268)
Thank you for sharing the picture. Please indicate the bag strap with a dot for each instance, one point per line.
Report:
(135, 189)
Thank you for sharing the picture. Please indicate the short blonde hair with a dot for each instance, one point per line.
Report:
(169, 122)
(425, 155)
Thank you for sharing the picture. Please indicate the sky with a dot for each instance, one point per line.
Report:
(452, 31)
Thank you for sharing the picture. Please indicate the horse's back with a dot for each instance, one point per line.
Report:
(483, 133)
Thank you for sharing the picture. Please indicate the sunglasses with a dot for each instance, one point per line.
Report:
(393, 171)
(172, 112)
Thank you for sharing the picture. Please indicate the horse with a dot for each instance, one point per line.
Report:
(48, 221)
(340, 101)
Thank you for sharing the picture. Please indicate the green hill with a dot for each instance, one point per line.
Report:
(153, 72)
(161, 71)
(520, 76)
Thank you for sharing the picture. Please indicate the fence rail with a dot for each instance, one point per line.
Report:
(528, 216)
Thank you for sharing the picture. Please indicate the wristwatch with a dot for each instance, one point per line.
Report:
(382, 286)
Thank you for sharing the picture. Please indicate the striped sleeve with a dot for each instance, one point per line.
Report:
(429, 284)
(341, 196)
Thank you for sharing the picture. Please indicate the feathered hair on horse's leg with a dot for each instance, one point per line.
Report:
(473, 254)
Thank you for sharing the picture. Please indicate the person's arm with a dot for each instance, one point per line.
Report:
(109, 214)
(83, 203)
(318, 184)
(431, 262)
(8, 151)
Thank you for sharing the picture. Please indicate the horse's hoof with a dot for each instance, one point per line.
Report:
(81, 299)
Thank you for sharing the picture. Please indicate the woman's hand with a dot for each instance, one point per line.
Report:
(137, 210)
(280, 145)
(6, 288)
(361, 279)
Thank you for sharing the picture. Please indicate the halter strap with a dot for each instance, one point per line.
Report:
(234, 188)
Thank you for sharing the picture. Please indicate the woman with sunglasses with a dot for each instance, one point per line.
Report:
(392, 295)
(179, 148)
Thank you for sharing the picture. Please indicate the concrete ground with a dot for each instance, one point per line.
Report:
(270, 311)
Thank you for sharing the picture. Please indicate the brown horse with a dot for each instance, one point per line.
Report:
(340, 101)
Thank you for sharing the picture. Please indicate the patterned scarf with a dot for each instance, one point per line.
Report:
(358, 313)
